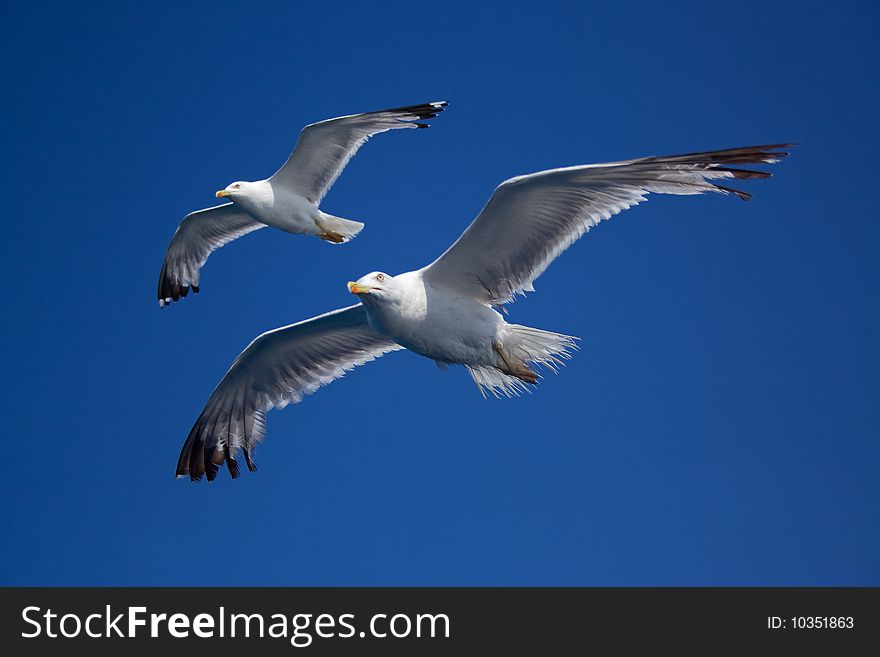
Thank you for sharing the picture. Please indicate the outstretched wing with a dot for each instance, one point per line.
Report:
(276, 369)
(199, 234)
(532, 219)
(324, 148)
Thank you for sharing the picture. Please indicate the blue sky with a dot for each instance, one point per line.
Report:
(719, 425)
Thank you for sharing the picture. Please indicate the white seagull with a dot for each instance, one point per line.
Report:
(446, 311)
(287, 200)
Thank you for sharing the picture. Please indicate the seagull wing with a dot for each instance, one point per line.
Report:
(199, 234)
(530, 220)
(276, 369)
(324, 148)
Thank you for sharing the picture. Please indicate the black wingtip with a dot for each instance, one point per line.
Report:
(251, 466)
(172, 292)
(764, 154)
(420, 111)
(725, 160)
(745, 196)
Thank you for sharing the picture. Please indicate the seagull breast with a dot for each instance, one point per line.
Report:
(435, 323)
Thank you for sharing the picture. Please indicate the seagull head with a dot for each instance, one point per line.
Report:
(234, 190)
(373, 286)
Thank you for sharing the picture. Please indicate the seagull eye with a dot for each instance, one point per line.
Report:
(236, 186)
(380, 277)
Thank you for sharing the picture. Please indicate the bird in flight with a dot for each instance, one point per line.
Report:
(288, 200)
(446, 311)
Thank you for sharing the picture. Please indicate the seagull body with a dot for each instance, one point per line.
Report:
(282, 208)
(288, 200)
(436, 322)
(446, 310)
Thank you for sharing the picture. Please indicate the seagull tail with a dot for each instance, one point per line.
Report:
(338, 230)
(518, 347)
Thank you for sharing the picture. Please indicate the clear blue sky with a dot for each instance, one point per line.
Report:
(719, 426)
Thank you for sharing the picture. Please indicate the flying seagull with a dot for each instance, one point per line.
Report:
(288, 200)
(446, 311)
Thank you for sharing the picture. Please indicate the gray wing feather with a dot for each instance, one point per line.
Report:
(324, 148)
(530, 220)
(199, 234)
(276, 369)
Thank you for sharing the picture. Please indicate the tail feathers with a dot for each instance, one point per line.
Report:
(339, 230)
(496, 383)
(525, 345)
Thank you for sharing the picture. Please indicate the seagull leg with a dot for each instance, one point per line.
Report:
(329, 235)
(518, 369)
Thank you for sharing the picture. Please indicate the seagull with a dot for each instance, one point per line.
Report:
(288, 200)
(448, 310)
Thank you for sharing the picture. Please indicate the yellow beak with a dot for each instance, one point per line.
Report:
(354, 288)
(222, 193)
